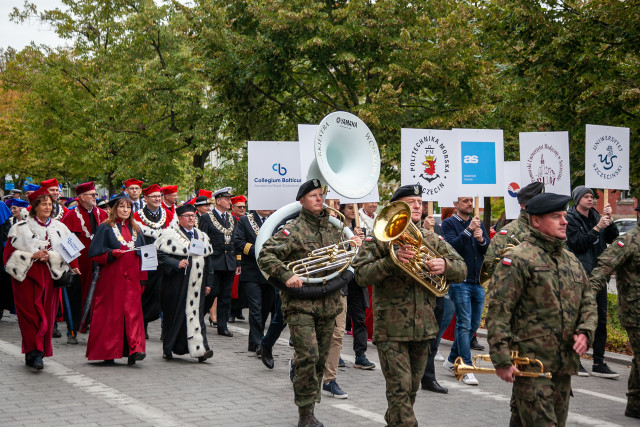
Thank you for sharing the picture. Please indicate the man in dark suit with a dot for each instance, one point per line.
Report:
(260, 294)
(221, 227)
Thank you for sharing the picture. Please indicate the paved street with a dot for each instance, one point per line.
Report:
(235, 389)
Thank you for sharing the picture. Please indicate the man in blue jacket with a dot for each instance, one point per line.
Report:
(469, 238)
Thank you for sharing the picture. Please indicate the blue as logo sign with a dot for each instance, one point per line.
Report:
(471, 159)
(279, 168)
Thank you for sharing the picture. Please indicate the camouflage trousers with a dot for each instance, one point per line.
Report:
(540, 401)
(633, 395)
(402, 364)
(311, 337)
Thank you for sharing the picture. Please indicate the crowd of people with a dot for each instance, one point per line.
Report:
(544, 274)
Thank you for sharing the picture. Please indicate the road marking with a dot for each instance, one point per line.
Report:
(601, 395)
(361, 412)
(572, 418)
(138, 409)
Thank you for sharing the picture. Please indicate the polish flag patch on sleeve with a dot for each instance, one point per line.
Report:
(285, 232)
(504, 231)
(368, 238)
(441, 238)
(506, 261)
(620, 243)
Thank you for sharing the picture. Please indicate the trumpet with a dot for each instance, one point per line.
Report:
(393, 224)
(460, 368)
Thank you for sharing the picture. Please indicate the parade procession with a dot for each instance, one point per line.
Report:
(314, 213)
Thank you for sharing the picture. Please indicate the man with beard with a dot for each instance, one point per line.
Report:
(183, 292)
(152, 219)
(83, 221)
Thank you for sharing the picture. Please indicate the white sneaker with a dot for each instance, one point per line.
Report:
(448, 366)
(469, 379)
(439, 357)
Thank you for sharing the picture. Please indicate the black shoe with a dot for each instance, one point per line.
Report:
(602, 370)
(207, 355)
(225, 333)
(232, 319)
(434, 387)
(135, 357)
(632, 411)
(267, 357)
(258, 350)
(28, 359)
(37, 363)
(71, 339)
(309, 420)
(109, 362)
(212, 323)
(167, 356)
(582, 372)
(475, 345)
(56, 333)
(240, 316)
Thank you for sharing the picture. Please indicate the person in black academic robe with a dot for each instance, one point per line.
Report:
(182, 295)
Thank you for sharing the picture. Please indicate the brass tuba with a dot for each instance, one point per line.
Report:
(393, 224)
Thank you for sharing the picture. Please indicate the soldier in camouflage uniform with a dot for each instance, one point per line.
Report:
(311, 321)
(403, 309)
(541, 304)
(623, 258)
(513, 233)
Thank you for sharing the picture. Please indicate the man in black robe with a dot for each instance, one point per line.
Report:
(183, 290)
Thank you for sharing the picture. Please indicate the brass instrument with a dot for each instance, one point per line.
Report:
(460, 369)
(484, 274)
(333, 258)
(393, 224)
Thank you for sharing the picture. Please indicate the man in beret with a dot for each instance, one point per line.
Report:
(311, 321)
(238, 206)
(541, 305)
(220, 226)
(623, 258)
(514, 232)
(83, 221)
(152, 219)
(404, 322)
(588, 235)
(170, 197)
(133, 188)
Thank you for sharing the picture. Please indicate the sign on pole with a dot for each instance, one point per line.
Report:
(274, 173)
(511, 188)
(481, 157)
(544, 157)
(429, 158)
(606, 157)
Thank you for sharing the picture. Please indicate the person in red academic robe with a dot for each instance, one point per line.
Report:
(170, 198)
(83, 221)
(117, 325)
(33, 262)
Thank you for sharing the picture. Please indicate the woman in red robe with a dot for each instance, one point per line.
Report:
(33, 262)
(117, 325)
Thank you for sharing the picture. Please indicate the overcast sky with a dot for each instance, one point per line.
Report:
(20, 35)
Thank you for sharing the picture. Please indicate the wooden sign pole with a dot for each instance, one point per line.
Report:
(476, 207)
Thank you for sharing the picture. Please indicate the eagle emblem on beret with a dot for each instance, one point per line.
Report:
(315, 183)
(416, 189)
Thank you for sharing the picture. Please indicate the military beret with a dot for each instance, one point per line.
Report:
(546, 203)
(407, 191)
(184, 209)
(527, 192)
(308, 187)
(202, 200)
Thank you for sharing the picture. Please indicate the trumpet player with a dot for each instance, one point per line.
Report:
(541, 304)
(403, 308)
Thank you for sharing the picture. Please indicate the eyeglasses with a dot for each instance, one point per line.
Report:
(134, 188)
(91, 195)
(155, 197)
(188, 216)
(241, 207)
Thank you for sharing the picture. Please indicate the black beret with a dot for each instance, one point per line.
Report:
(407, 191)
(307, 187)
(102, 203)
(527, 192)
(185, 208)
(546, 203)
(202, 200)
(115, 199)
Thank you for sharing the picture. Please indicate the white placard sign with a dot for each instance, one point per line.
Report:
(274, 173)
(70, 248)
(544, 157)
(481, 158)
(429, 158)
(606, 157)
(149, 256)
(196, 247)
(306, 137)
(511, 188)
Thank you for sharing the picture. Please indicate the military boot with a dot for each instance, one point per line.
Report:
(632, 411)
(309, 420)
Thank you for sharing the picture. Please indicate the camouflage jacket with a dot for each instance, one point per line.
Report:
(623, 258)
(539, 297)
(295, 241)
(402, 307)
(512, 233)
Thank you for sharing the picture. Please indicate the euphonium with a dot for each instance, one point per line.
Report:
(460, 369)
(393, 224)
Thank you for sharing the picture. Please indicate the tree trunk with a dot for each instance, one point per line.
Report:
(199, 160)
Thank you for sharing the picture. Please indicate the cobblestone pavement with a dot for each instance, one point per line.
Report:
(235, 389)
